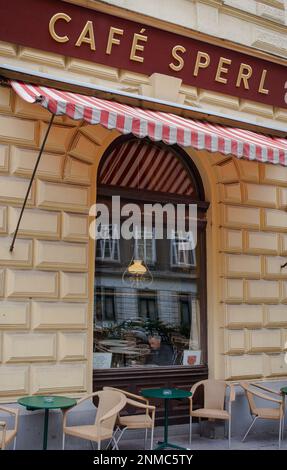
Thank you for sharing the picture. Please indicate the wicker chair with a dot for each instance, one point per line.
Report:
(110, 404)
(135, 421)
(7, 435)
(214, 402)
(274, 413)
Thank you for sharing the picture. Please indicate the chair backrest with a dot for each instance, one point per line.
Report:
(249, 396)
(126, 393)
(214, 394)
(109, 401)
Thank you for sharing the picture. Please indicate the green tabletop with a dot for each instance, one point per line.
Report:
(165, 393)
(48, 402)
(39, 402)
(284, 390)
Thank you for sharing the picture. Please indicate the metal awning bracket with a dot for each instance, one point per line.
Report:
(31, 182)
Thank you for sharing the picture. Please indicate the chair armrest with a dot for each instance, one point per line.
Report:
(3, 425)
(195, 386)
(140, 405)
(81, 400)
(190, 403)
(267, 389)
(264, 397)
(193, 390)
(11, 411)
(128, 394)
(232, 395)
(86, 397)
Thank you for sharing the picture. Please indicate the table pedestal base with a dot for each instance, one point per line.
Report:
(165, 444)
(168, 445)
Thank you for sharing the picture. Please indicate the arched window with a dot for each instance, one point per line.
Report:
(150, 288)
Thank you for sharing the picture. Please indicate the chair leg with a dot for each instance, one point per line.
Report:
(151, 438)
(280, 433)
(111, 440)
(229, 433)
(145, 439)
(99, 445)
(283, 423)
(249, 429)
(115, 443)
(190, 430)
(119, 438)
(14, 444)
(63, 441)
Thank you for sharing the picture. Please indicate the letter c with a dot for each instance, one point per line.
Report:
(53, 20)
(285, 99)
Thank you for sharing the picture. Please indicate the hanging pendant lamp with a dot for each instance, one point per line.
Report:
(137, 274)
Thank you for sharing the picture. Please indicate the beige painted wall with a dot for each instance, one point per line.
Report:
(46, 284)
(246, 245)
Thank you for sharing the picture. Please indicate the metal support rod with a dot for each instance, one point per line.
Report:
(31, 182)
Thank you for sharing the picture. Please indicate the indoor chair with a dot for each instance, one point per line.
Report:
(110, 404)
(275, 413)
(214, 403)
(135, 421)
(7, 435)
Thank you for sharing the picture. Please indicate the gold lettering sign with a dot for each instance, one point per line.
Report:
(261, 88)
(53, 21)
(221, 69)
(202, 62)
(244, 74)
(87, 36)
(238, 75)
(179, 66)
(138, 47)
(112, 39)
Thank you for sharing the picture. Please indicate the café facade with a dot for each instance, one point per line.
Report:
(95, 102)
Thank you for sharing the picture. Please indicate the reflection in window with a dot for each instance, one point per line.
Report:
(147, 306)
(105, 304)
(184, 305)
(181, 252)
(149, 327)
(145, 246)
(108, 248)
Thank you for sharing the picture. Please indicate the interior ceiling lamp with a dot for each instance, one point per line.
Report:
(137, 274)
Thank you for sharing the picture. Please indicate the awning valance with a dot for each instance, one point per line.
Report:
(158, 126)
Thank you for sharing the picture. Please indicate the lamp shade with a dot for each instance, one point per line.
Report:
(137, 268)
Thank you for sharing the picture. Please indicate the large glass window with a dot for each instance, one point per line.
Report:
(155, 319)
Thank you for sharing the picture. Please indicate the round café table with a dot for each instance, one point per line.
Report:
(46, 403)
(166, 394)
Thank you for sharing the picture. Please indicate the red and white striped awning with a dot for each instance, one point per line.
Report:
(158, 126)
